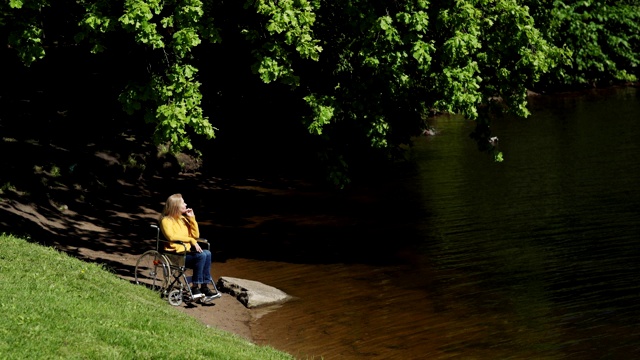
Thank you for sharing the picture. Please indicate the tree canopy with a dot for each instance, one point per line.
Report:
(360, 75)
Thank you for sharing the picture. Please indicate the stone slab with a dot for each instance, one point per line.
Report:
(250, 293)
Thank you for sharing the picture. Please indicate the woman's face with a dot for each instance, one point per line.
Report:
(183, 206)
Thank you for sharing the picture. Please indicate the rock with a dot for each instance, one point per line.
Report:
(251, 294)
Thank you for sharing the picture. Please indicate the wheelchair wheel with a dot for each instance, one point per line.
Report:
(175, 297)
(152, 271)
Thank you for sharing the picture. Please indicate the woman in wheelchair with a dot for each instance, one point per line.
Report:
(178, 223)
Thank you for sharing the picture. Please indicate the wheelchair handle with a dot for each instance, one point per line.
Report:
(157, 231)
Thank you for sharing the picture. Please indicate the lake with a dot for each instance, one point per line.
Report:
(459, 257)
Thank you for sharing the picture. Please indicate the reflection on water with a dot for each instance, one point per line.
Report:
(534, 258)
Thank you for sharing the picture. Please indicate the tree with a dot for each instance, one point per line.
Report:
(385, 65)
(368, 71)
(602, 39)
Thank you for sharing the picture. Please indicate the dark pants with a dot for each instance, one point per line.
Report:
(201, 265)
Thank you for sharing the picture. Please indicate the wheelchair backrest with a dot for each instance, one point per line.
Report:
(176, 259)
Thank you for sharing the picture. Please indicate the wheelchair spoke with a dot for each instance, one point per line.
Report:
(152, 271)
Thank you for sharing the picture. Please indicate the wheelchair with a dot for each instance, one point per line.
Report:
(165, 272)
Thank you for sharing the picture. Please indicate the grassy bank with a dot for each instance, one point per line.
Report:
(56, 306)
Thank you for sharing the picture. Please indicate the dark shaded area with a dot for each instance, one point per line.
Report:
(79, 174)
(248, 218)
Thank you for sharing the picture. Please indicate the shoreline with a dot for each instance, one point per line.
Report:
(225, 313)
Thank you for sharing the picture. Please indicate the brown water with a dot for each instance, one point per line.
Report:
(534, 258)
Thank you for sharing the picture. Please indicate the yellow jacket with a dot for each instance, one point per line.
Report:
(183, 229)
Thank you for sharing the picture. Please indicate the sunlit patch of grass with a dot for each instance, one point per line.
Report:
(55, 171)
(6, 187)
(134, 161)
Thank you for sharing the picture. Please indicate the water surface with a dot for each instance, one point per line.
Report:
(536, 257)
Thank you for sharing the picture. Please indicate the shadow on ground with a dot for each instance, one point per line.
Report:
(249, 218)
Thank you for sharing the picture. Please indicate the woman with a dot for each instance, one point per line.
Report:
(178, 223)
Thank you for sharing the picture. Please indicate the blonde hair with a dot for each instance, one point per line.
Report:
(172, 207)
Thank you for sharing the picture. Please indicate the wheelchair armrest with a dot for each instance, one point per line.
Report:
(204, 243)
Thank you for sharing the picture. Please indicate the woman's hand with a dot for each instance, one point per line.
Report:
(189, 212)
(197, 247)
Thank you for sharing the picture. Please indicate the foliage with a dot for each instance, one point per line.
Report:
(169, 30)
(289, 27)
(387, 65)
(19, 20)
(603, 36)
(368, 72)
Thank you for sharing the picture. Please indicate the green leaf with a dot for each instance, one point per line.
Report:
(16, 4)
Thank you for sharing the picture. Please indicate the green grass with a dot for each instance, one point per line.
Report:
(54, 306)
